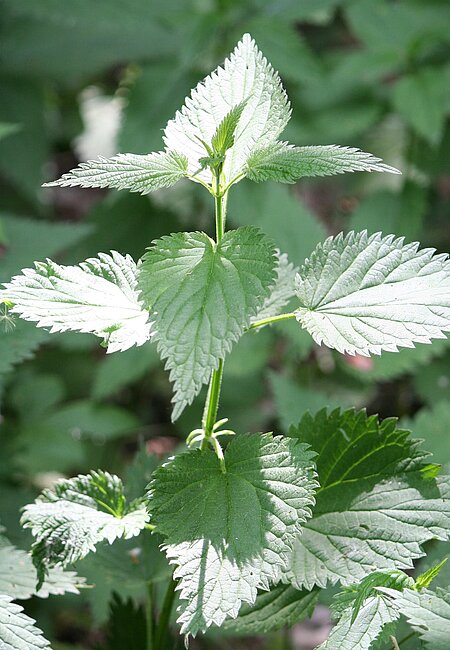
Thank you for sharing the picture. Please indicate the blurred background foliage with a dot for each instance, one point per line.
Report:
(83, 78)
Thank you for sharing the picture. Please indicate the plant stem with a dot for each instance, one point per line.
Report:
(406, 638)
(271, 319)
(212, 399)
(164, 618)
(149, 617)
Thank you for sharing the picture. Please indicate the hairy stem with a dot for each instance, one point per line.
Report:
(162, 629)
(149, 617)
(271, 319)
(212, 399)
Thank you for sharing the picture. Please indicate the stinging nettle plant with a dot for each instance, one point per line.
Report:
(256, 527)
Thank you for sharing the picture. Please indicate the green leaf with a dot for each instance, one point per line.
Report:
(281, 291)
(69, 521)
(17, 630)
(18, 576)
(282, 606)
(376, 614)
(203, 296)
(361, 294)
(423, 99)
(427, 612)
(231, 533)
(129, 171)
(374, 509)
(426, 578)
(223, 139)
(286, 163)
(245, 77)
(99, 296)
(432, 425)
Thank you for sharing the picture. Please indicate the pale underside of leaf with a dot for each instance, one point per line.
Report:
(245, 76)
(69, 521)
(136, 173)
(374, 615)
(287, 163)
(17, 630)
(99, 296)
(374, 510)
(363, 294)
(282, 290)
(230, 534)
(203, 296)
(18, 577)
(384, 527)
(427, 612)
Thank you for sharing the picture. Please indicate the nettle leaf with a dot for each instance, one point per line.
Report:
(202, 296)
(281, 291)
(98, 296)
(231, 533)
(127, 171)
(364, 294)
(18, 576)
(427, 612)
(223, 138)
(282, 606)
(245, 77)
(286, 163)
(375, 620)
(80, 512)
(17, 630)
(374, 508)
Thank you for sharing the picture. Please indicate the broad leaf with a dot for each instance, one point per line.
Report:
(231, 533)
(17, 630)
(18, 576)
(99, 296)
(129, 171)
(281, 291)
(245, 77)
(69, 521)
(376, 614)
(374, 508)
(361, 294)
(203, 296)
(427, 612)
(282, 606)
(286, 163)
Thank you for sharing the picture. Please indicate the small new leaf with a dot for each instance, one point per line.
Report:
(231, 533)
(427, 612)
(69, 521)
(98, 296)
(17, 630)
(223, 139)
(425, 579)
(245, 78)
(128, 171)
(286, 163)
(362, 294)
(374, 509)
(203, 296)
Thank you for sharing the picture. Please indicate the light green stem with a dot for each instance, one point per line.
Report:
(212, 399)
(271, 319)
